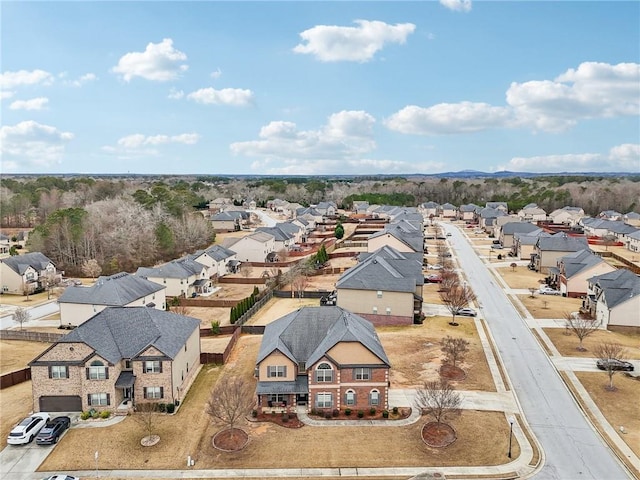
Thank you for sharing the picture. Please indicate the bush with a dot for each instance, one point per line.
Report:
(360, 414)
(347, 412)
(395, 410)
(105, 414)
(385, 414)
(171, 408)
(285, 419)
(177, 402)
(254, 413)
(162, 407)
(215, 327)
(327, 415)
(336, 412)
(372, 411)
(85, 415)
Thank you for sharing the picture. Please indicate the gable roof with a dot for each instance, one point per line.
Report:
(180, 268)
(219, 253)
(617, 286)
(561, 242)
(519, 227)
(20, 263)
(405, 232)
(276, 232)
(307, 334)
(118, 333)
(578, 261)
(530, 238)
(115, 290)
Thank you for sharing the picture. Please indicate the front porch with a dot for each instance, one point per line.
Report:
(282, 397)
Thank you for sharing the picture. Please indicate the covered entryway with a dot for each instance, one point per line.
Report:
(61, 403)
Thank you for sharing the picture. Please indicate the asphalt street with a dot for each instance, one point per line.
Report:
(572, 447)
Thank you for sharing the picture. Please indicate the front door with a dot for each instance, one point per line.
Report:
(302, 398)
(128, 393)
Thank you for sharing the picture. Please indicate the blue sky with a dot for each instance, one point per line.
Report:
(315, 88)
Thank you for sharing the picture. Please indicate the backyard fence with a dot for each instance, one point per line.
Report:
(13, 378)
(30, 336)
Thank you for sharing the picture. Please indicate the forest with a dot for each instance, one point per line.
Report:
(124, 222)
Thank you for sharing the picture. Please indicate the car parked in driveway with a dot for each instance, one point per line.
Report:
(614, 364)
(547, 290)
(437, 266)
(53, 430)
(467, 312)
(61, 476)
(433, 278)
(27, 429)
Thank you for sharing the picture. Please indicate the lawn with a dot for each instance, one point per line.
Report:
(521, 277)
(567, 344)
(15, 404)
(278, 307)
(619, 407)
(16, 354)
(550, 306)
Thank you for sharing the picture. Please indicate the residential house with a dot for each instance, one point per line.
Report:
(532, 213)
(79, 303)
(573, 271)
(227, 221)
(295, 230)
(614, 299)
(360, 207)
(218, 204)
(567, 215)
(610, 215)
(447, 210)
(5, 244)
(327, 209)
(385, 287)
(182, 277)
(283, 240)
(325, 357)
(508, 230)
(402, 236)
(524, 244)
(498, 206)
(487, 217)
(632, 218)
(548, 250)
(219, 259)
(430, 209)
(255, 247)
(310, 214)
(634, 241)
(119, 358)
(468, 212)
(27, 273)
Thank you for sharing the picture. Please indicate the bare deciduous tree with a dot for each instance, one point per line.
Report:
(91, 268)
(231, 399)
(532, 291)
(513, 266)
(438, 399)
(146, 415)
(458, 296)
(441, 251)
(607, 351)
(581, 326)
(21, 315)
(245, 270)
(454, 349)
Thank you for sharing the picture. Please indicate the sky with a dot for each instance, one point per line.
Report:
(319, 88)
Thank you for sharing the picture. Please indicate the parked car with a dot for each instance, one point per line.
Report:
(437, 266)
(53, 430)
(547, 290)
(61, 476)
(467, 312)
(27, 429)
(614, 364)
(433, 278)
(448, 234)
(497, 247)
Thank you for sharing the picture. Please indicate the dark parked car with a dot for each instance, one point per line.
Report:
(53, 430)
(615, 364)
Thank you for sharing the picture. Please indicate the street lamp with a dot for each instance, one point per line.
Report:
(511, 422)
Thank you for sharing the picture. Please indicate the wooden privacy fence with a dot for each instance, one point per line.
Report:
(30, 336)
(244, 281)
(13, 378)
(296, 294)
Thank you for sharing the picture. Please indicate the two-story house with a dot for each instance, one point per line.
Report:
(325, 357)
(181, 277)
(118, 358)
(402, 236)
(614, 299)
(573, 271)
(255, 247)
(548, 250)
(28, 273)
(79, 303)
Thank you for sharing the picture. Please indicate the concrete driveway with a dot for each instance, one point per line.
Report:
(21, 461)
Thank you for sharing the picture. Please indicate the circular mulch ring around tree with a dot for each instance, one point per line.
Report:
(449, 372)
(230, 440)
(438, 435)
(150, 441)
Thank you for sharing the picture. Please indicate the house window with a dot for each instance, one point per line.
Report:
(153, 393)
(374, 397)
(277, 397)
(362, 373)
(127, 365)
(350, 398)
(153, 367)
(98, 399)
(324, 373)
(379, 294)
(388, 310)
(58, 371)
(97, 371)
(276, 371)
(375, 310)
(324, 400)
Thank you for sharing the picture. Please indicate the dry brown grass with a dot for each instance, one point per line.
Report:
(215, 344)
(16, 354)
(430, 292)
(15, 404)
(22, 301)
(567, 344)
(550, 306)
(522, 277)
(619, 407)
(278, 307)
(415, 355)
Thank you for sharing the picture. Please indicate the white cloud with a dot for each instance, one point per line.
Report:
(159, 62)
(83, 79)
(138, 140)
(225, 96)
(448, 118)
(20, 78)
(331, 43)
(217, 74)
(282, 147)
(31, 104)
(30, 144)
(457, 5)
(4, 94)
(175, 94)
(623, 158)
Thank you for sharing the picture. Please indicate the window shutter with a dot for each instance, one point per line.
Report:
(160, 366)
(346, 398)
(354, 374)
(50, 375)
(66, 371)
(87, 369)
(106, 372)
(89, 399)
(161, 392)
(285, 370)
(108, 399)
(144, 390)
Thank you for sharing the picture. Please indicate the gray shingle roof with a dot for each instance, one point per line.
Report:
(308, 333)
(118, 333)
(561, 242)
(115, 290)
(219, 253)
(618, 286)
(576, 262)
(278, 233)
(519, 227)
(404, 231)
(20, 263)
(181, 268)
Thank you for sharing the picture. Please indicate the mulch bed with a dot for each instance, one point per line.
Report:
(230, 440)
(402, 413)
(438, 435)
(279, 419)
(449, 372)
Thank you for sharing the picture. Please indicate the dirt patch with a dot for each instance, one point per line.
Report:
(215, 344)
(286, 420)
(550, 306)
(16, 354)
(451, 373)
(438, 435)
(566, 344)
(230, 440)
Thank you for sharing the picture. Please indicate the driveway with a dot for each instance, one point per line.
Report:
(21, 461)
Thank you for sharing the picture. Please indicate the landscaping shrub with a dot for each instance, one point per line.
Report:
(254, 413)
(385, 414)
(347, 412)
(85, 415)
(336, 412)
(395, 410)
(177, 402)
(285, 419)
(314, 411)
(360, 414)
(171, 408)
(215, 327)
(372, 411)
(327, 415)
(162, 407)
(105, 414)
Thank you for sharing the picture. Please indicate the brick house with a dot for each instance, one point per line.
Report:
(117, 359)
(324, 357)
(27, 273)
